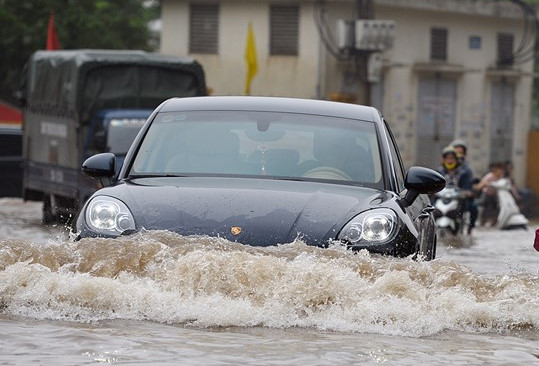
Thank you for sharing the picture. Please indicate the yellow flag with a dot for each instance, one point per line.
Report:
(250, 57)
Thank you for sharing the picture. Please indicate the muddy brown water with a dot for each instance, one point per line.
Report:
(159, 298)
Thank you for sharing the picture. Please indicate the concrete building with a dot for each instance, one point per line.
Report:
(456, 68)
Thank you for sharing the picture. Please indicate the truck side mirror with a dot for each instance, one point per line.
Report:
(20, 92)
(20, 97)
(420, 180)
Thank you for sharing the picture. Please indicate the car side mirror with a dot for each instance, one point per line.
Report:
(101, 166)
(420, 180)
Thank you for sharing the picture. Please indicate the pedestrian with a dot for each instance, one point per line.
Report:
(536, 241)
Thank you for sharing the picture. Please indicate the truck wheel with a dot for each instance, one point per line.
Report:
(48, 215)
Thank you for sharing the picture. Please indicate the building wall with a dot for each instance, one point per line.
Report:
(474, 82)
(225, 72)
(315, 73)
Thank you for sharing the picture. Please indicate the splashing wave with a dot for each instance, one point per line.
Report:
(209, 282)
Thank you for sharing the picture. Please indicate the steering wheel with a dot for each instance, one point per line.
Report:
(326, 172)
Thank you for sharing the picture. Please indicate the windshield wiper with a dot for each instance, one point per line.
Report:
(156, 175)
(293, 179)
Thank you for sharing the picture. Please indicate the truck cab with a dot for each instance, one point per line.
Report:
(81, 102)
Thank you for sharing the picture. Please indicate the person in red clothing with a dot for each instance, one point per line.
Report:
(536, 241)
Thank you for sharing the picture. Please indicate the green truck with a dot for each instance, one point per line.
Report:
(81, 102)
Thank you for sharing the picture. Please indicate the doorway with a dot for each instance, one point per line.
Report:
(436, 119)
(502, 108)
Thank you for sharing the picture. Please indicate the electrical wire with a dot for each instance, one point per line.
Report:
(526, 51)
(528, 47)
(325, 34)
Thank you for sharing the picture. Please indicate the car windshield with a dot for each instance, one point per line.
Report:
(273, 144)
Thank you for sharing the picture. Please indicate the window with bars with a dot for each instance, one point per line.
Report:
(284, 29)
(505, 49)
(438, 44)
(204, 28)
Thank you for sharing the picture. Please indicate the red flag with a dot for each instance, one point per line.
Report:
(52, 37)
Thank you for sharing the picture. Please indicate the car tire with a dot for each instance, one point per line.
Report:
(427, 251)
(427, 242)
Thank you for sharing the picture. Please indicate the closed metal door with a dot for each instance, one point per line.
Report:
(502, 105)
(436, 119)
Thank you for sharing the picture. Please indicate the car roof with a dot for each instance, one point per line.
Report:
(272, 104)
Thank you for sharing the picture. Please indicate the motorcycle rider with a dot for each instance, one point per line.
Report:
(450, 166)
(470, 205)
(455, 176)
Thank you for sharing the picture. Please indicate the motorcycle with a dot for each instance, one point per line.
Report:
(448, 213)
(509, 216)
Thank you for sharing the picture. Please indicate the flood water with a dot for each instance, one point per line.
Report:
(158, 298)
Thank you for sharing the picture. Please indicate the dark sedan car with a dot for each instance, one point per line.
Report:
(266, 171)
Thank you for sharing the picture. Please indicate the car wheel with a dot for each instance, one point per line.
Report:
(426, 243)
(427, 249)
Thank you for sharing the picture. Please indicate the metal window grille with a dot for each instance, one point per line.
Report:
(284, 29)
(204, 28)
(438, 44)
(505, 49)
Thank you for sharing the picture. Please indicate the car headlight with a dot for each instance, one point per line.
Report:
(109, 216)
(378, 226)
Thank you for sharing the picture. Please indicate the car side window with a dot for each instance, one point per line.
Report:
(395, 157)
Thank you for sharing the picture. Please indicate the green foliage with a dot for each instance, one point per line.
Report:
(103, 24)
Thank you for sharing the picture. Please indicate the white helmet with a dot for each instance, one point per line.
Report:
(460, 143)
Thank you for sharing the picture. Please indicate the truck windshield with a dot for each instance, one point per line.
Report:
(121, 134)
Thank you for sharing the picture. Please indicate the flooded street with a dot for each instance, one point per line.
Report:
(158, 298)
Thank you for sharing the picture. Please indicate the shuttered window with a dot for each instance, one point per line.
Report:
(438, 44)
(204, 28)
(284, 29)
(505, 49)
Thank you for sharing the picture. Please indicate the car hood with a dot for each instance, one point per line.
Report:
(251, 211)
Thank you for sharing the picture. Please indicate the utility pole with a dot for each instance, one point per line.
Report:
(365, 10)
(363, 40)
